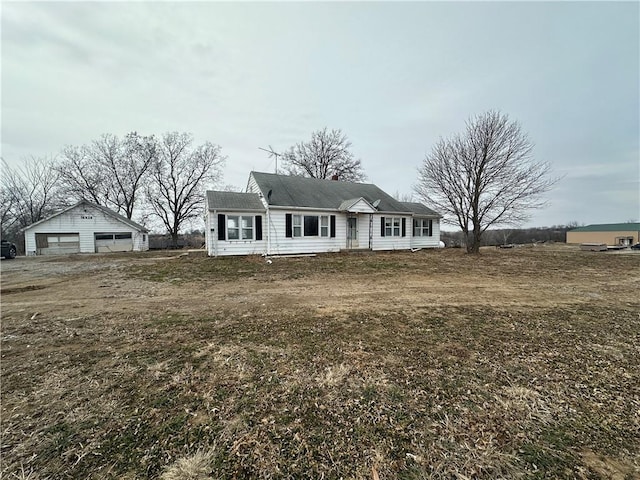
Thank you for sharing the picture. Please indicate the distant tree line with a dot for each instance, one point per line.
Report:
(512, 236)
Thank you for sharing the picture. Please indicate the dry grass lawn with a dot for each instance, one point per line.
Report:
(520, 363)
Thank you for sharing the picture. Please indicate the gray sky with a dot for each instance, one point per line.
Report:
(393, 76)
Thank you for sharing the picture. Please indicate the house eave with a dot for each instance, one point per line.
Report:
(249, 210)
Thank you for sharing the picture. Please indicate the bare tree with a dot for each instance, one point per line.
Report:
(29, 193)
(325, 155)
(403, 197)
(82, 176)
(178, 178)
(110, 171)
(484, 177)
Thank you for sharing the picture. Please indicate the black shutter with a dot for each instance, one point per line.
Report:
(221, 225)
(288, 228)
(333, 226)
(382, 227)
(258, 227)
(430, 228)
(404, 227)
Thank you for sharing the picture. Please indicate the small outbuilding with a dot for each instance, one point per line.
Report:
(85, 228)
(612, 234)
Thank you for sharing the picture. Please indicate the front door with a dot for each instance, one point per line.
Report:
(352, 232)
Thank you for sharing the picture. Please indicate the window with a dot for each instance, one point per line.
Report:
(393, 227)
(236, 227)
(396, 227)
(388, 227)
(324, 226)
(122, 236)
(310, 226)
(297, 225)
(239, 227)
(422, 227)
(102, 236)
(247, 228)
(233, 228)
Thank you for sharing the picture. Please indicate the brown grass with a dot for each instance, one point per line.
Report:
(517, 364)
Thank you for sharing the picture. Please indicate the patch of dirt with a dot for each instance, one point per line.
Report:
(519, 363)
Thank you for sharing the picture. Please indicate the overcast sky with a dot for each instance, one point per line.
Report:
(393, 76)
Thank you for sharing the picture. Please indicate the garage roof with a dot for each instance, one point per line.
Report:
(105, 210)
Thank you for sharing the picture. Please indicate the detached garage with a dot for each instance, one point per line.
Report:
(85, 228)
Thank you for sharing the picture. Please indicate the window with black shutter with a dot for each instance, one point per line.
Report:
(258, 227)
(221, 227)
(288, 228)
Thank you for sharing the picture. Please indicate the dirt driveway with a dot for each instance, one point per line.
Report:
(86, 284)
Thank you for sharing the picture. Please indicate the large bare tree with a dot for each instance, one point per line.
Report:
(110, 171)
(325, 155)
(483, 177)
(178, 178)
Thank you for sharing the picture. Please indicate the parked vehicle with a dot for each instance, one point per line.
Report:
(635, 247)
(9, 250)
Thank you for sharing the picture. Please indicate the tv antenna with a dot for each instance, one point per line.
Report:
(272, 154)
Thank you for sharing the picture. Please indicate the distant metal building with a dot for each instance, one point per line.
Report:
(613, 234)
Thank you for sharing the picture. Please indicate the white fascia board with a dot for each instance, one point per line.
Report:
(305, 209)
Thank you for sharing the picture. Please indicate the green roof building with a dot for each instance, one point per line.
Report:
(609, 233)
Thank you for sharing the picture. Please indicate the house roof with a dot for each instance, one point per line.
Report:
(609, 227)
(294, 191)
(103, 209)
(234, 201)
(420, 209)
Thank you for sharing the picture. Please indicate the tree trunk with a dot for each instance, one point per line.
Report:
(473, 241)
(174, 239)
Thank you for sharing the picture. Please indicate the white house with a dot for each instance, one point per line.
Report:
(281, 214)
(85, 228)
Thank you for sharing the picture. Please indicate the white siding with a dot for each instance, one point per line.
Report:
(252, 186)
(361, 206)
(391, 242)
(281, 245)
(427, 242)
(217, 247)
(85, 221)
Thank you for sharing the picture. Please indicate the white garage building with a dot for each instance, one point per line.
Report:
(85, 228)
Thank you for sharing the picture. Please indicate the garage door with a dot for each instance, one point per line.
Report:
(114, 242)
(57, 243)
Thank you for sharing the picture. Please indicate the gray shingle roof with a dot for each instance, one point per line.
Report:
(234, 201)
(420, 209)
(292, 191)
(102, 208)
